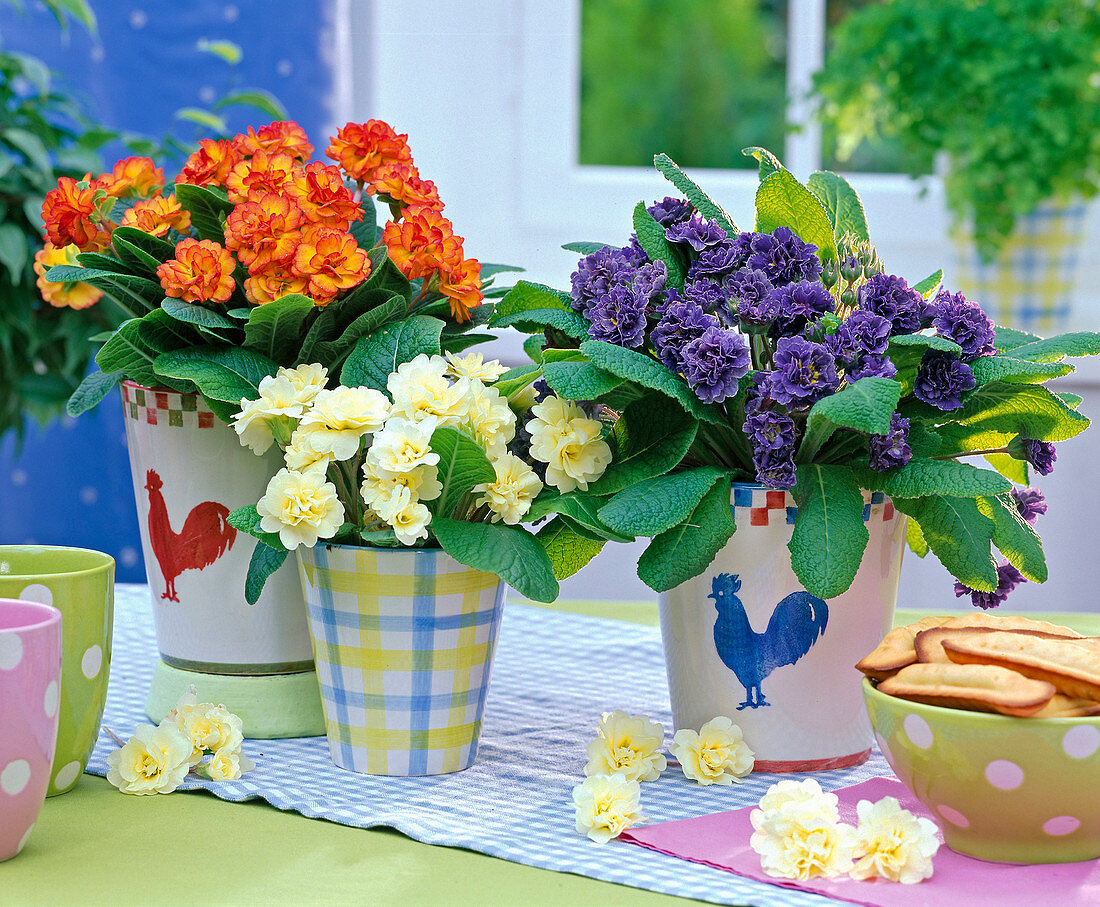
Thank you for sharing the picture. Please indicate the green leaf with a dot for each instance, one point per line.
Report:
(128, 355)
(579, 507)
(456, 343)
(866, 406)
(385, 275)
(511, 553)
(782, 201)
(914, 538)
(246, 519)
(841, 203)
(377, 311)
(686, 550)
(1012, 469)
(568, 551)
(265, 560)
(533, 347)
(930, 284)
(1071, 400)
(1054, 349)
(769, 163)
(655, 505)
(533, 321)
(275, 329)
(227, 374)
(209, 208)
(703, 203)
(1016, 371)
(162, 333)
(651, 237)
(227, 51)
(1026, 409)
(375, 357)
(829, 533)
(1009, 339)
(462, 465)
(14, 252)
(648, 372)
(526, 296)
(959, 534)
(160, 250)
(579, 380)
(32, 148)
(262, 100)
(98, 262)
(918, 478)
(95, 386)
(921, 342)
(586, 248)
(491, 270)
(194, 313)
(649, 439)
(364, 229)
(205, 118)
(516, 379)
(135, 295)
(1014, 538)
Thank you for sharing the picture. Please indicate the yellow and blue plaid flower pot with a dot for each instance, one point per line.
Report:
(403, 641)
(1031, 283)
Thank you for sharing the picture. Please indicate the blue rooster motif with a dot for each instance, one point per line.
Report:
(795, 625)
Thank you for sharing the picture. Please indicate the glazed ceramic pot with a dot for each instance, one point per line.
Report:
(745, 640)
(189, 471)
(404, 643)
(30, 682)
(81, 585)
(1031, 283)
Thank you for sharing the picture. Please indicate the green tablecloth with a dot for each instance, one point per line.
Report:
(96, 846)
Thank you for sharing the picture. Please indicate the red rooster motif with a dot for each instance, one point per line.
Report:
(206, 536)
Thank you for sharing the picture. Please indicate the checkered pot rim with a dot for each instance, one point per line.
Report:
(403, 642)
(757, 505)
(161, 406)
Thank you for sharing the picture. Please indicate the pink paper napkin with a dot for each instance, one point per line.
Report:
(722, 840)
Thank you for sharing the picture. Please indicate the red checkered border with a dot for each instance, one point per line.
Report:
(165, 407)
(759, 506)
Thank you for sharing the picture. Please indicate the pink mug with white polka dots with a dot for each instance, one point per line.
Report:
(30, 689)
(81, 584)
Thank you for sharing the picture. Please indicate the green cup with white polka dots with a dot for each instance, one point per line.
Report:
(81, 585)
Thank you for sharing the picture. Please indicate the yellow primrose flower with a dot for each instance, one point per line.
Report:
(420, 390)
(227, 765)
(154, 761)
(797, 842)
(891, 843)
(339, 418)
(607, 805)
(379, 486)
(408, 517)
(627, 745)
(473, 366)
(273, 414)
(717, 754)
(302, 507)
(403, 445)
(307, 380)
(805, 795)
(300, 455)
(510, 496)
(568, 443)
(490, 417)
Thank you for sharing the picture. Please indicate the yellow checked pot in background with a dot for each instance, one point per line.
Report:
(403, 641)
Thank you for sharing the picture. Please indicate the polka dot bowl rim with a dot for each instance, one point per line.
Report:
(46, 615)
(104, 562)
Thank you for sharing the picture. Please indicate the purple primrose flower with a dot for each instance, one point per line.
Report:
(713, 363)
(798, 304)
(717, 260)
(1008, 578)
(804, 372)
(671, 211)
(1030, 503)
(955, 318)
(892, 298)
(772, 436)
(596, 274)
(942, 379)
(749, 290)
(781, 255)
(861, 333)
(649, 281)
(891, 449)
(681, 322)
(873, 365)
(618, 317)
(696, 232)
(1041, 455)
(707, 294)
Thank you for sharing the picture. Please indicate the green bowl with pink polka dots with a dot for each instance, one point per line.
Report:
(1013, 790)
(81, 585)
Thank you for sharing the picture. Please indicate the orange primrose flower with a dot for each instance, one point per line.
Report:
(422, 242)
(74, 295)
(360, 148)
(211, 164)
(401, 182)
(331, 260)
(264, 231)
(71, 215)
(273, 282)
(202, 271)
(261, 175)
(284, 137)
(133, 176)
(320, 191)
(462, 286)
(156, 216)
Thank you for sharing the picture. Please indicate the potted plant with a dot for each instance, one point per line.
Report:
(785, 404)
(402, 490)
(254, 259)
(1006, 91)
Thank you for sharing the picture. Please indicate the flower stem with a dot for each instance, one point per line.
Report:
(971, 453)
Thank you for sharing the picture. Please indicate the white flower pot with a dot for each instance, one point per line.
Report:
(745, 640)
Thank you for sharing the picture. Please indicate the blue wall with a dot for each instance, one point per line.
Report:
(70, 484)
